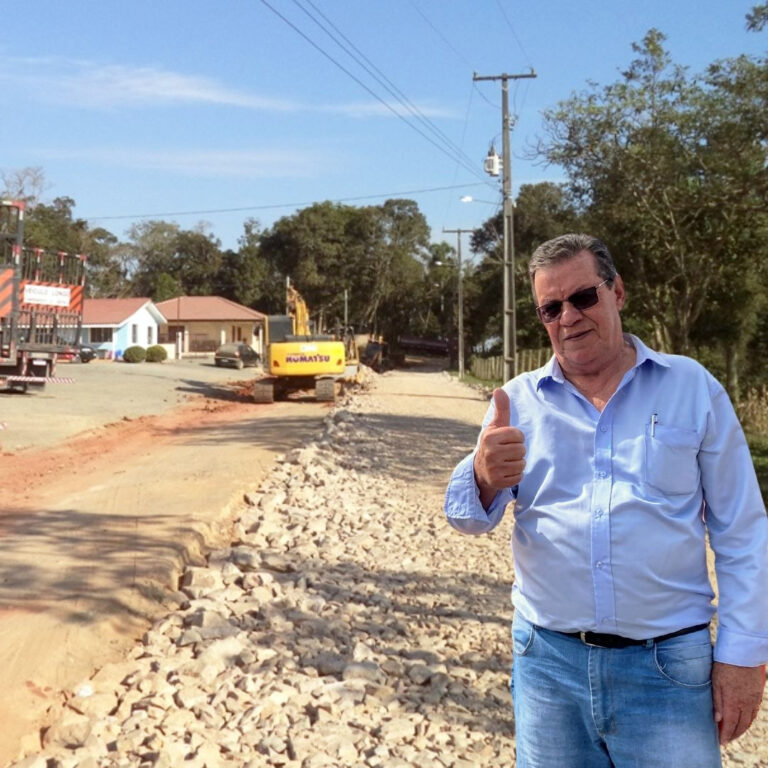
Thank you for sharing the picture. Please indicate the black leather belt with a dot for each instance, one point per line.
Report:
(616, 641)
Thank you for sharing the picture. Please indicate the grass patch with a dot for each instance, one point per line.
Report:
(758, 447)
(474, 381)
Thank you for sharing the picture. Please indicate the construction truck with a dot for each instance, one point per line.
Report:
(41, 305)
(298, 359)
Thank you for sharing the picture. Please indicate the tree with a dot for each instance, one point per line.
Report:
(26, 184)
(316, 249)
(397, 262)
(243, 275)
(150, 250)
(167, 261)
(438, 312)
(665, 173)
(375, 253)
(196, 262)
(53, 227)
(736, 156)
(757, 18)
(105, 274)
(165, 286)
(542, 211)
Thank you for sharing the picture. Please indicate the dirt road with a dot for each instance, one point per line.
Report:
(118, 486)
(104, 392)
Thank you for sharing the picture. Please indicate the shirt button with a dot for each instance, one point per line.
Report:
(598, 513)
(599, 563)
(603, 429)
(604, 621)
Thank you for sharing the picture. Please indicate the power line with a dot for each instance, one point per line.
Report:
(441, 35)
(273, 206)
(463, 133)
(383, 80)
(354, 77)
(514, 33)
(485, 98)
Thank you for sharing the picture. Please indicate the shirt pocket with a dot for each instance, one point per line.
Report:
(671, 459)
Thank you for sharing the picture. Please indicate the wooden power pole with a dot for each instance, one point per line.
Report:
(460, 294)
(510, 314)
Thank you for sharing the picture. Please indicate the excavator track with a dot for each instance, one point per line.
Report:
(263, 391)
(325, 390)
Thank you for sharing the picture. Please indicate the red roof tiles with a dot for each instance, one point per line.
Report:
(110, 311)
(205, 308)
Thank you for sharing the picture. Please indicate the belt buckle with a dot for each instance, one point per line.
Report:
(583, 638)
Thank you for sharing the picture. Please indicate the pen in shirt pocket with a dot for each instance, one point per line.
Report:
(654, 421)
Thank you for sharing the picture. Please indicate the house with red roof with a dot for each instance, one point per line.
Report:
(200, 324)
(110, 326)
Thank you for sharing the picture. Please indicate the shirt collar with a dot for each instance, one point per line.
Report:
(553, 372)
(645, 353)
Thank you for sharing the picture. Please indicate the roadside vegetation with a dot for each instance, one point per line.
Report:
(668, 166)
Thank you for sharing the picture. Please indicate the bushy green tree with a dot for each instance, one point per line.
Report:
(167, 261)
(666, 169)
(197, 260)
(243, 276)
(542, 211)
(150, 251)
(53, 226)
(375, 253)
(401, 249)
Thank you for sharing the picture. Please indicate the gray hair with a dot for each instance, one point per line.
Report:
(566, 247)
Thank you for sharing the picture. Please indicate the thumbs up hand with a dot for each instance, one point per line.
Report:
(499, 461)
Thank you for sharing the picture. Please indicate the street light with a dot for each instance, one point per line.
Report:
(441, 286)
(470, 199)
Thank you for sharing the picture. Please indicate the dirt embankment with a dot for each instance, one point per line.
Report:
(95, 529)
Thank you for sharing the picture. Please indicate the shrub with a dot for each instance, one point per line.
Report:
(156, 354)
(753, 411)
(134, 355)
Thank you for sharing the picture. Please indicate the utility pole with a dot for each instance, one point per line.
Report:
(510, 314)
(459, 232)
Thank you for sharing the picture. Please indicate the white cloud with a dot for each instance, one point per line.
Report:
(276, 163)
(86, 84)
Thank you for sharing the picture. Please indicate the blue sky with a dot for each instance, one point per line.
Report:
(164, 107)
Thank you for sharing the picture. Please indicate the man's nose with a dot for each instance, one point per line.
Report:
(569, 314)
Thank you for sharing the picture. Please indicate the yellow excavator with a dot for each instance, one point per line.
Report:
(297, 359)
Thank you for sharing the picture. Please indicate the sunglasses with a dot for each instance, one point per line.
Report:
(581, 300)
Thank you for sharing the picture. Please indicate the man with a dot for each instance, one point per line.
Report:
(620, 461)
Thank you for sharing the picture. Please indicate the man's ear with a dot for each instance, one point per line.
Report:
(618, 289)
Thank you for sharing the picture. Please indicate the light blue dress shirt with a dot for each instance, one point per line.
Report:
(613, 510)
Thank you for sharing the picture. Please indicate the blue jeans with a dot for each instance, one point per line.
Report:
(645, 706)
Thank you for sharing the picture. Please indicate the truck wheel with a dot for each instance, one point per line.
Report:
(325, 390)
(263, 392)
